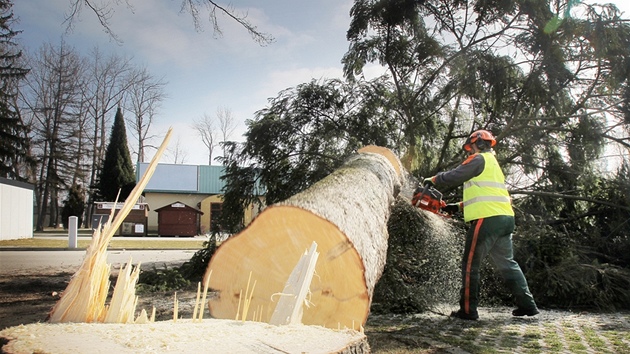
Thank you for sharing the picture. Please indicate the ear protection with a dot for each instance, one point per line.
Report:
(481, 144)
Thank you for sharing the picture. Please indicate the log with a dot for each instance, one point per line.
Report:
(346, 214)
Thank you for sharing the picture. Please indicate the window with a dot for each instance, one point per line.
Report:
(215, 215)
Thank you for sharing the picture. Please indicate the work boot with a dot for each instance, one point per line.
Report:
(464, 316)
(525, 312)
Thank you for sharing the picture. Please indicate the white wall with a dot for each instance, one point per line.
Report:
(16, 210)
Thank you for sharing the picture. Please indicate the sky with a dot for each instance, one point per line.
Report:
(204, 72)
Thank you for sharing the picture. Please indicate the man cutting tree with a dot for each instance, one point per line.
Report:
(487, 208)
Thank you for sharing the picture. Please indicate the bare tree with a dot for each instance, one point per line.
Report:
(205, 127)
(104, 13)
(143, 99)
(227, 124)
(55, 102)
(109, 78)
(177, 152)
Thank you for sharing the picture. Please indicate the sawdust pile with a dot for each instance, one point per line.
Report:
(183, 336)
(423, 262)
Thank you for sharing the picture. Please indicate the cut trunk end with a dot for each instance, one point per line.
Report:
(346, 214)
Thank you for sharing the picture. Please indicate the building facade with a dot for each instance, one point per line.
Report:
(198, 186)
(16, 209)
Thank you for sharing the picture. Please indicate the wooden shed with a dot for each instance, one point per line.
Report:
(178, 219)
(135, 224)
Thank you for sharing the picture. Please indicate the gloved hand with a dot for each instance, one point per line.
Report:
(428, 181)
(451, 208)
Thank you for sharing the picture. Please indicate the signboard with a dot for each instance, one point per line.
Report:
(118, 206)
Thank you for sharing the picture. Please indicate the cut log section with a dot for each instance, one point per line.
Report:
(346, 214)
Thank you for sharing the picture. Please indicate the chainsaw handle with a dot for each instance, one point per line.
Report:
(425, 188)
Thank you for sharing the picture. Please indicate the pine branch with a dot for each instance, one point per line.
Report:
(569, 196)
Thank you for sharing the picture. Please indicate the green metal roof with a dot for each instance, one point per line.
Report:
(210, 181)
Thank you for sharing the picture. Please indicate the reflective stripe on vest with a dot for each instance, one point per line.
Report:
(497, 198)
(486, 195)
(484, 184)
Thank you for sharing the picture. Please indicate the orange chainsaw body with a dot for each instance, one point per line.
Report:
(430, 199)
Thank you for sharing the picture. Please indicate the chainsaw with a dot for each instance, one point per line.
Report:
(430, 199)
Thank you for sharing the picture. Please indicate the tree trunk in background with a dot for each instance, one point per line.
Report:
(346, 214)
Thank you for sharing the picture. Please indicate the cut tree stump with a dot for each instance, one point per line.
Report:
(346, 214)
(184, 336)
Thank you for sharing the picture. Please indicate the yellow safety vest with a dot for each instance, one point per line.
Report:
(486, 195)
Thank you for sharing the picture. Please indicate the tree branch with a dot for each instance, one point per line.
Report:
(104, 15)
(569, 196)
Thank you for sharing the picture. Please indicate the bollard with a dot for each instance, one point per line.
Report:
(72, 231)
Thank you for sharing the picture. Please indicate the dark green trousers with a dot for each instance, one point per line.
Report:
(492, 236)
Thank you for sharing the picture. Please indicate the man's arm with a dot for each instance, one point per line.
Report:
(472, 167)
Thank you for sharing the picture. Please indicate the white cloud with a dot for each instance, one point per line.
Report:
(341, 15)
(279, 80)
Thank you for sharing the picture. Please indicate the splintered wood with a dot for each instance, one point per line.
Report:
(85, 296)
(199, 307)
(246, 301)
(122, 306)
(202, 306)
(346, 215)
(289, 309)
(175, 307)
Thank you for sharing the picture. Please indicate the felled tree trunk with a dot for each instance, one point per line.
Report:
(346, 214)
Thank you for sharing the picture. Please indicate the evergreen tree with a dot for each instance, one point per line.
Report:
(74, 205)
(13, 138)
(117, 173)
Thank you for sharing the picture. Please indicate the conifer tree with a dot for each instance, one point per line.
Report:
(73, 206)
(117, 173)
(13, 139)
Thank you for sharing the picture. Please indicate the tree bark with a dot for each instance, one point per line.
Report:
(346, 214)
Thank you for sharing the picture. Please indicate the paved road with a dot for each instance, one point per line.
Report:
(25, 262)
(86, 236)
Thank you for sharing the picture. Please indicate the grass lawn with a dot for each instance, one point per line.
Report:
(116, 243)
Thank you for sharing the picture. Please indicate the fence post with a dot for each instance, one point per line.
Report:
(72, 231)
